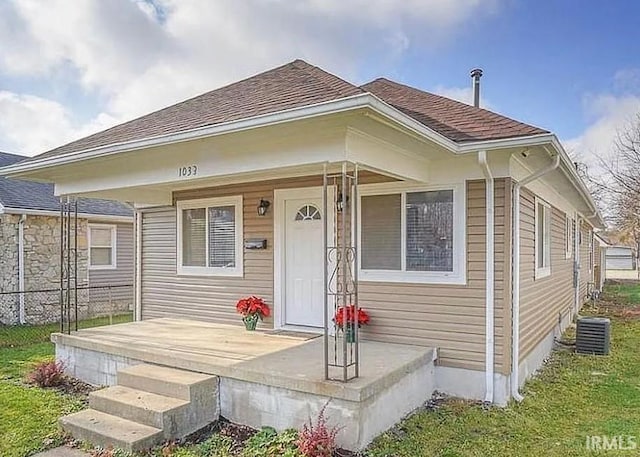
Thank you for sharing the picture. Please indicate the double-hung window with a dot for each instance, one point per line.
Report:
(210, 236)
(102, 247)
(542, 239)
(412, 235)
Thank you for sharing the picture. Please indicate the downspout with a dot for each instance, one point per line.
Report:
(576, 265)
(515, 280)
(490, 275)
(21, 312)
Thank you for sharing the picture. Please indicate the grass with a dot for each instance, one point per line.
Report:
(11, 336)
(573, 397)
(29, 415)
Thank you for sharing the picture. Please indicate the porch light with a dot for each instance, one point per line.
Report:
(341, 201)
(263, 206)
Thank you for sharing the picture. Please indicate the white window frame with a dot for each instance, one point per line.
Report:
(459, 273)
(114, 244)
(236, 202)
(543, 272)
(568, 233)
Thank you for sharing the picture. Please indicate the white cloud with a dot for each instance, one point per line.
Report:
(462, 94)
(136, 56)
(609, 115)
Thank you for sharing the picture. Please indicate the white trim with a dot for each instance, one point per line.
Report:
(568, 235)
(138, 264)
(93, 217)
(280, 196)
(459, 274)
(238, 270)
(544, 271)
(490, 268)
(114, 253)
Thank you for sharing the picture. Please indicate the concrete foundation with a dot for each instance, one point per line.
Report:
(282, 388)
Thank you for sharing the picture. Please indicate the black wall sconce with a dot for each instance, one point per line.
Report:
(341, 201)
(263, 206)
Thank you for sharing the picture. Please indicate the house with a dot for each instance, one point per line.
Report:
(621, 262)
(30, 250)
(466, 235)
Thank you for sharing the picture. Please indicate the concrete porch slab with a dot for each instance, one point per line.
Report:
(229, 351)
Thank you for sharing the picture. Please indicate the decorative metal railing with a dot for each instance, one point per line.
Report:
(68, 264)
(341, 329)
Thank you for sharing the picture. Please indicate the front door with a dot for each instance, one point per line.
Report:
(303, 260)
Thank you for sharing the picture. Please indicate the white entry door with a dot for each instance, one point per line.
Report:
(303, 295)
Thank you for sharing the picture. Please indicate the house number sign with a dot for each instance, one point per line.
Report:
(188, 171)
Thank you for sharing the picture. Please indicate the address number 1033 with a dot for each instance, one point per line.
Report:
(188, 171)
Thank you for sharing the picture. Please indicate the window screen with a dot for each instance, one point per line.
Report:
(222, 237)
(381, 232)
(430, 231)
(193, 237)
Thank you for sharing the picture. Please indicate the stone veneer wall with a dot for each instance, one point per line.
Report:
(42, 268)
(8, 267)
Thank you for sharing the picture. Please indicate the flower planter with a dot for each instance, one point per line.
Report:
(350, 334)
(250, 322)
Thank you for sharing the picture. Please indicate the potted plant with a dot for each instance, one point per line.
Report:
(252, 308)
(347, 315)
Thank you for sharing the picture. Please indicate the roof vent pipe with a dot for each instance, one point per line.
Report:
(476, 74)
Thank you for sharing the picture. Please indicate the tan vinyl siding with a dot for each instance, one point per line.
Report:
(586, 275)
(451, 317)
(123, 273)
(542, 300)
(211, 298)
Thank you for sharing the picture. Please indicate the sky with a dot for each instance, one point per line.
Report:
(68, 69)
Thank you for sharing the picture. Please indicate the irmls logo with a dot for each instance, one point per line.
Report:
(611, 443)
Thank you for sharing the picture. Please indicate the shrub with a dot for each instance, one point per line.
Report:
(47, 374)
(318, 440)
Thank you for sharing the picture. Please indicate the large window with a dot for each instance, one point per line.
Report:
(542, 239)
(102, 247)
(210, 236)
(412, 235)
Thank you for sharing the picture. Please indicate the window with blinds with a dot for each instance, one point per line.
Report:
(412, 236)
(102, 246)
(210, 232)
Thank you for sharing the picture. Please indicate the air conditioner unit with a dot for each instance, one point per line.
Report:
(593, 335)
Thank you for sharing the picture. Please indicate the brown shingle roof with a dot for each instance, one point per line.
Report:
(295, 85)
(455, 120)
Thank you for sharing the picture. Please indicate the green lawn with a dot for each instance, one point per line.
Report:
(628, 293)
(574, 396)
(28, 415)
(11, 336)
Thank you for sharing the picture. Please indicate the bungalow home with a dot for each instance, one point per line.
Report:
(30, 251)
(466, 236)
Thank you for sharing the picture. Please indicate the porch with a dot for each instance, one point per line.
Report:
(266, 378)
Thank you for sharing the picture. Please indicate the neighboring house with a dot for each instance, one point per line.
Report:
(30, 250)
(621, 262)
(447, 195)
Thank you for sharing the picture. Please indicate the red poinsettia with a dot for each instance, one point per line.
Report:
(349, 313)
(253, 305)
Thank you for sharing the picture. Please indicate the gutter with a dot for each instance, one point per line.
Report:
(490, 275)
(93, 217)
(21, 310)
(515, 280)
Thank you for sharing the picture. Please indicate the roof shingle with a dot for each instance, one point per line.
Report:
(20, 194)
(455, 120)
(299, 84)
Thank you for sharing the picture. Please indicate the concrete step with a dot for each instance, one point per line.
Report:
(169, 382)
(166, 413)
(104, 430)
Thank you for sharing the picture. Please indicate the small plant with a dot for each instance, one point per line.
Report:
(346, 319)
(216, 446)
(268, 442)
(318, 440)
(47, 374)
(252, 308)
